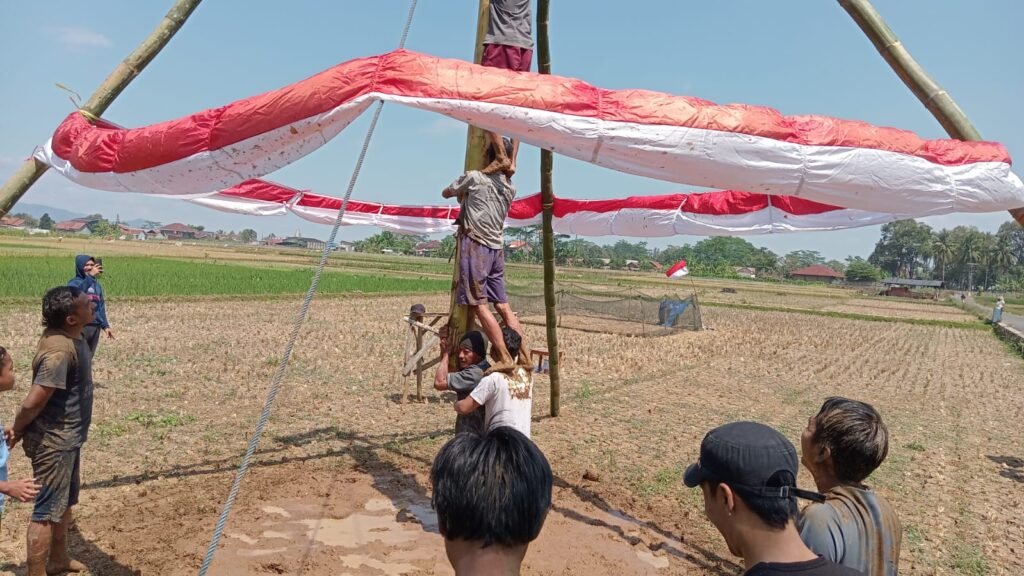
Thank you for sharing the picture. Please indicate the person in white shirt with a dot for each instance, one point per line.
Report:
(506, 397)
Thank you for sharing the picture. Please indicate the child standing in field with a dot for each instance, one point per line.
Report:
(22, 490)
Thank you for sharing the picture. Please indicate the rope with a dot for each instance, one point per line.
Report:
(275, 384)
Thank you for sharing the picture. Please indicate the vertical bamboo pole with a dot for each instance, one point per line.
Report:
(31, 170)
(548, 202)
(459, 319)
(914, 76)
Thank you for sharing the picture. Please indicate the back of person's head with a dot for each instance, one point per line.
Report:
(855, 436)
(58, 304)
(6, 370)
(774, 511)
(513, 341)
(493, 488)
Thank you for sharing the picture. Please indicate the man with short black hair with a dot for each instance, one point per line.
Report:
(472, 352)
(492, 493)
(54, 421)
(842, 445)
(747, 472)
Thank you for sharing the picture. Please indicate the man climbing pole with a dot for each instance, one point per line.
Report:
(508, 45)
(484, 201)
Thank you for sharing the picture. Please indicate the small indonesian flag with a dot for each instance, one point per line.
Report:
(678, 271)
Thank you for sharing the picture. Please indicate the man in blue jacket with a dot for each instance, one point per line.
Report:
(86, 272)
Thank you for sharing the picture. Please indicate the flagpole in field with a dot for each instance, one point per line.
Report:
(547, 202)
(914, 76)
(459, 320)
(31, 170)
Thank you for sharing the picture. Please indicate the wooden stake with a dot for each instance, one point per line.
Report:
(914, 76)
(459, 320)
(31, 170)
(548, 202)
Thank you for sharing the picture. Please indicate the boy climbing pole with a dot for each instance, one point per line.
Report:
(484, 201)
(508, 45)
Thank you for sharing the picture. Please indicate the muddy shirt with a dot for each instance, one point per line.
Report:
(506, 401)
(485, 200)
(854, 527)
(510, 23)
(817, 567)
(64, 364)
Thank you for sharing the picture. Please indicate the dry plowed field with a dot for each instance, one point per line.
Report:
(340, 486)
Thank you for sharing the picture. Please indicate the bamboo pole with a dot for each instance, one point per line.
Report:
(914, 76)
(548, 202)
(459, 320)
(31, 170)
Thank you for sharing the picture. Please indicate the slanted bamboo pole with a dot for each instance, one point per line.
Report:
(548, 202)
(31, 170)
(934, 97)
(459, 320)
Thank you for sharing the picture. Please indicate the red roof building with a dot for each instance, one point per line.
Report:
(73, 227)
(816, 273)
(12, 222)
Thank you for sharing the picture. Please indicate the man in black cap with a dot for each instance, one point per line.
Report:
(747, 472)
(472, 356)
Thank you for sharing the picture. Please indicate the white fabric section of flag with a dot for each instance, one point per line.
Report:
(678, 270)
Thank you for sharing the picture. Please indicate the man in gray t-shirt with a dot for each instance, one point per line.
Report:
(485, 200)
(471, 353)
(855, 526)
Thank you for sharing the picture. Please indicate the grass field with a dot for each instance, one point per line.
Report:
(131, 276)
(340, 482)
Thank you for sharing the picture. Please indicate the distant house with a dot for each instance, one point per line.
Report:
(632, 264)
(427, 248)
(746, 272)
(344, 246)
(655, 265)
(901, 287)
(520, 246)
(133, 233)
(816, 273)
(12, 222)
(178, 231)
(153, 234)
(83, 227)
(302, 242)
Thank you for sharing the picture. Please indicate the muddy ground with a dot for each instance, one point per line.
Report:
(340, 486)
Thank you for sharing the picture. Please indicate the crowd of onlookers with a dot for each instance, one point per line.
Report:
(492, 484)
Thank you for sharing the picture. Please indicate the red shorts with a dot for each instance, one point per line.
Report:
(508, 57)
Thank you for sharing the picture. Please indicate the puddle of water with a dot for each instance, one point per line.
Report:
(259, 553)
(276, 510)
(425, 515)
(378, 504)
(356, 561)
(649, 558)
(247, 539)
(360, 529)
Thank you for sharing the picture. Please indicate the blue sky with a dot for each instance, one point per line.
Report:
(799, 57)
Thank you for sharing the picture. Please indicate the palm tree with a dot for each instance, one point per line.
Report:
(943, 249)
(1002, 255)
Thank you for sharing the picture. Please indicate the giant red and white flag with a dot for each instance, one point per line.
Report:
(678, 270)
(679, 139)
(698, 214)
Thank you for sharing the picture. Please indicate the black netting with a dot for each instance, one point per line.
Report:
(638, 312)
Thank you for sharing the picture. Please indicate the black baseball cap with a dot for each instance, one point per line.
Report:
(752, 459)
